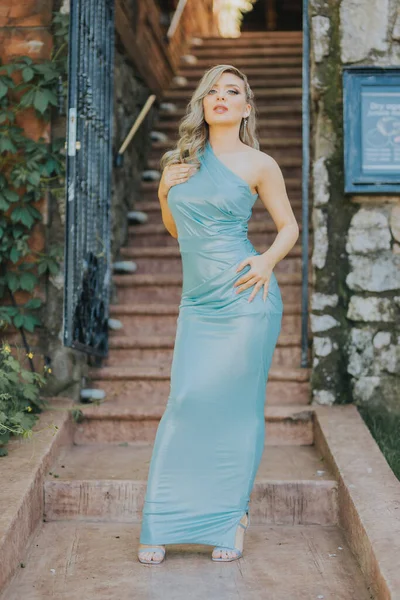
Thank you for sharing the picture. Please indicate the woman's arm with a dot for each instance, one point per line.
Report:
(166, 214)
(272, 192)
(172, 175)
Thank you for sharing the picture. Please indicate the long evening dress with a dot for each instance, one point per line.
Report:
(210, 439)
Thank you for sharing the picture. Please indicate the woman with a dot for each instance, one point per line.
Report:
(210, 439)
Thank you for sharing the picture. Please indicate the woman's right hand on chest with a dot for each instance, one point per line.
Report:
(175, 174)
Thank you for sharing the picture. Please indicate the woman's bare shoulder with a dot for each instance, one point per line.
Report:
(262, 159)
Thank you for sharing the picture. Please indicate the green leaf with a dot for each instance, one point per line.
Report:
(11, 195)
(27, 281)
(18, 320)
(30, 322)
(34, 178)
(30, 392)
(14, 254)
(28, 98)
(3, 89)
(4, 205)
(6, 145)
(33, 303)
(21, 214)
(12, 280)
(41, 101)
(28, 74)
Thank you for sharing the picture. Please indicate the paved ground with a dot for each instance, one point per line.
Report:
(97, 561)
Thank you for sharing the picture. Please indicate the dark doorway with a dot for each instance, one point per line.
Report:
(274, 15)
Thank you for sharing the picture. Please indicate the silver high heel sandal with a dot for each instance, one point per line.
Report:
(240, 534)
(151, 549)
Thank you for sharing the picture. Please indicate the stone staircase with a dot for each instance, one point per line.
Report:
(295, 547)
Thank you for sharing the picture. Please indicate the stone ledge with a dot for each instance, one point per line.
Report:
(22, 476)
(369, 495)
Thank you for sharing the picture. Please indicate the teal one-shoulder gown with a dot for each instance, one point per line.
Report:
(210, 439)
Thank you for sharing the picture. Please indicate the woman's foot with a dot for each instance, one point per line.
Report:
(228, 554)
(151, 554)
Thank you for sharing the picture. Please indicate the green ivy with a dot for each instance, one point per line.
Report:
(29, 169)
(20, 401)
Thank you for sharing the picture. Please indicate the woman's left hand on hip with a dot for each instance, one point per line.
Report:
(259, 275)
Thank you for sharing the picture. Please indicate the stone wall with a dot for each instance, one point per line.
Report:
(356, 256)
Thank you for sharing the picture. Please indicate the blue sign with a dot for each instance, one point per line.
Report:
(371, 98)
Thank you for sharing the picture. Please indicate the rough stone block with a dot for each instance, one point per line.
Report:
(320, 301)
(381, 339)
(370, 309)
(374, 274)
(320, 37)
(395, 222)
(368, 232)
(320, 249)
(323, 397)
(323, 346)
(322, 323)
(321, 182)
(363, 28)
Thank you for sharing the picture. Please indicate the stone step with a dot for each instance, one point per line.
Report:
(160, 373)
(274, 36)
(259, 214)
(163, 263)
(287, 143)
(290, 165)
(245, 41)
(268, 127)
(282, 93)
(165, 239)
(132, 411)
(167, 288)
(171, 253)
(167, 280)
(244, 62)
(159, 311)
(138, 323)
(107, 482)
(264, 110)
(258, 50)
(130, 351)
(293, 186)
(278, 393)
(146, 229)
(97, 561)
(253, 73)
(155, 217)
(256, 82)
(289, 160)
(150, 204)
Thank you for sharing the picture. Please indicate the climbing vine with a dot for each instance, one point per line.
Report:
(29, 169)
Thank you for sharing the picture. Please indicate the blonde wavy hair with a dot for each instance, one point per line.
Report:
(193, 129)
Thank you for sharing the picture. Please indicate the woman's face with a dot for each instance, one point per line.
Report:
(225, 103)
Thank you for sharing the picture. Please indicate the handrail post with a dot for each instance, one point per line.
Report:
(305, 183)
(139, 119)
(176, 18)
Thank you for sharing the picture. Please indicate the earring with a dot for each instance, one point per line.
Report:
(245, 122)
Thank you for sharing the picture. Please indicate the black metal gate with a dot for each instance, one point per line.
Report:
(88, 185)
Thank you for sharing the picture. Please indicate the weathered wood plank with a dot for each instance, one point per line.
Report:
(156, 57)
